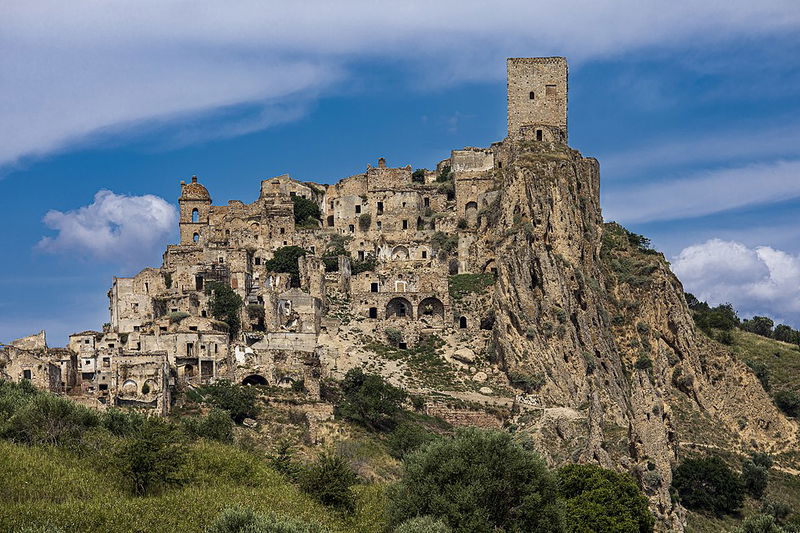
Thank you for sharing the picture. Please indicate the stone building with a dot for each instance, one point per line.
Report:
(384, 252)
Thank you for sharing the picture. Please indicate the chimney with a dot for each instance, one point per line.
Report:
(381, 162)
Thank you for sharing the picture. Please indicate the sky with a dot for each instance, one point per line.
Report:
(692, 108)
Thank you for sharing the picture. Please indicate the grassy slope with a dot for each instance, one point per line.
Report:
(46, 485)
(783, 361)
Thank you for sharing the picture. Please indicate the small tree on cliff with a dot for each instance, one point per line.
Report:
(225, 305)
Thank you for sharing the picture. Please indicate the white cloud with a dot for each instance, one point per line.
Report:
(703, 193)
(72, 69)
(760, 280)
(127, 230)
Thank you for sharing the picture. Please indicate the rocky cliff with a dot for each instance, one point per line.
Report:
(595, 326)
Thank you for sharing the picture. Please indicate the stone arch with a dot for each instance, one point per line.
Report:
(285, 382)
(490, 267)
(471, 213)
(129, 387)
(254, 379)
(150, 386)
(195, 215)
(399, 307)
(188, 371)
(400, 253)
(431, 307)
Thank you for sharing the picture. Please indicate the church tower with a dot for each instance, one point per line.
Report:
(537, 98)
(195, 204)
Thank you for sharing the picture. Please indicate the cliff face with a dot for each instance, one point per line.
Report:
(597, 328)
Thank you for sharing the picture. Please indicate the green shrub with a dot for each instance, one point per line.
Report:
(394, 336)
(708, 484)
(777, 509)
(225, 305)
(369, 400)
(418, 176)
(423, 524)
(444, 175)
(760, 325)
(602, 501)
(407, 437)
(442, 242)
(305, 209)
(47, 419)
(284, 259)
(759, 523)
(238, 400)
(644, 363)
(216, 425)
(177, 316)
(478, 481)
(367, 264)
(755, 478)
(122, 422)
(462, 223)
(460, 285)
(788, 401)
(244, 520)
(329, 480)
(526, 381)
(151, 459)
(283, 460)
(725, 337)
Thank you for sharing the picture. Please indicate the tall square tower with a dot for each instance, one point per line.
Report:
(537, 93)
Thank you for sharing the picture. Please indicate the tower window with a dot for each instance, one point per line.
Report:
(538, 135)
(195, 215)
(550, 90)
(196, 237)
(358, 209)
(531, 95)
(405, 224)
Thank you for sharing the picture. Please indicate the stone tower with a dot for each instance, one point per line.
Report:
(537, 97)
(195, 204)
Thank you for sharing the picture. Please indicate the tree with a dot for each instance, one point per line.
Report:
(152, 457)
(601, 500)
(760, 325)
(41, 418)
(755, 478)
(225, 305)
(305, 210)
(418, 176)
(478, 481)
(329, 480)
(216, 425)
(788, 401)
(785, 333)
(369, 400)
(423, 524)
(238, 400)
(708, 484)
(284, 259)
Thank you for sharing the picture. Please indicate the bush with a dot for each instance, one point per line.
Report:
(244, 520)
(225, 305)
(444, 175)
(151, 458)
(122, 423)
(441, 241)
(644, 363)
(755, 478)
(238, 400)
(367, 264)
(478, 481)
(600, 500)
(777, 509)
(407, 437)
(369, 400)
(283, 460)
(394, 336)
(47, 419)
(418, 176)
(788, 401)
(708, 484)
(760, 325)
(759, 523)
(216, 425)
(284, 259)
(329, 480)
(462, 223)
(725, 337)
(423, 524)
(177, 316)
(525, 381)
(305, 210)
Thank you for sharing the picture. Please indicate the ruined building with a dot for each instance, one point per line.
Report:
(489, 282)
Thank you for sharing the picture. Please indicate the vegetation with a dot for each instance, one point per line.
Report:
(461, 285)
(239, 401)
(217, 426)
(444, 175)
(788, 401)
(708, 484)
(602, 501)
(152, 457)
(177, 316)
(367, 264)
(423, 524)
(418, 176)
(442, 242)
(306, 212)
(755, 474)
(329, 480)
(225, 305)
(285, 259)
(369, 400)
(478, 481)
(244, 520)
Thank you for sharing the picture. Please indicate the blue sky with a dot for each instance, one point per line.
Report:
(692, 109)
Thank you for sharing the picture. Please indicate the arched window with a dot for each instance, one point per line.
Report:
(462, 322)
(531, 95)
(196, 237)
(195, 215)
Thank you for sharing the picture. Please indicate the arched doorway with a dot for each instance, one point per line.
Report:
(254, 379)
(471, 214)
(400, 253)
(430, 307)
(399, 307)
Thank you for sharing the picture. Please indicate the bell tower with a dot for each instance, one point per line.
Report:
(195, 204)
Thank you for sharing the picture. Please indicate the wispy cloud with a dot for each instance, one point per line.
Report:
(705, 193)
(127, 230)
(69, 72)
(760, 280)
